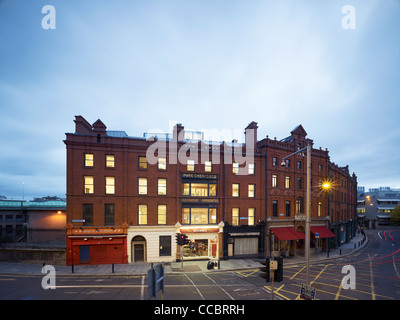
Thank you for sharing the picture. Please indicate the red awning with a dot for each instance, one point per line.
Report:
(323, 232)
(287, 233)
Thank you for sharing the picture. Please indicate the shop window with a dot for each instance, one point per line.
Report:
(196, 248)
(199, 215)
(199, 189)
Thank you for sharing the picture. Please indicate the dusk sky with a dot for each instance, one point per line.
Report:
(141, 65)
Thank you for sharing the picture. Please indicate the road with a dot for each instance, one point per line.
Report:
(376, 267)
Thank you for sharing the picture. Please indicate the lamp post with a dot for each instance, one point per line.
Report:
(308, 199)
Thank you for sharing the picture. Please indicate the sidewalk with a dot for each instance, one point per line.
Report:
(141, 268)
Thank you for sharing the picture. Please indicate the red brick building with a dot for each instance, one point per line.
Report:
(127, 197)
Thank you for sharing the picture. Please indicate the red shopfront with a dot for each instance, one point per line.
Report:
(96, 246)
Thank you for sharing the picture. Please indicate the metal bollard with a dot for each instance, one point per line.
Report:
(113, 268)
(72, 268)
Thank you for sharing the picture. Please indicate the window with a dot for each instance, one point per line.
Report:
(235, 216)
(287, 163)
(162, 187)
(287, 208)
(319, 209)
(162, 214)
(235, 167)
(110, 161)
(109, 214)
(235, 190)
(252, 190)
(87, 214)
(251, 215)
(142, 213)
(298, 164)
(142, 162)
(165, 246)
(162, 163)
(299, 205)
(274, 181)
(320, 168)
(199, 215)
(212, 190)
(274, 161)
(299, 183)
(110, 185)
(190, 165)
(89, 160)
(208, 166)
(275, 208)
(186, 189)
(142, 185)
(251, 168)
(89, 184)
(287, 182)
(199, 189)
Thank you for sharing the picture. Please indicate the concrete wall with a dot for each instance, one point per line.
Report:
(48, 256)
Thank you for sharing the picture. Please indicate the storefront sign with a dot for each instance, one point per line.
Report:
(199, 230)
(197, 200)
(198, 176)
(96, 231)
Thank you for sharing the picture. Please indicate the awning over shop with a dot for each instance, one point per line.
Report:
(323, 232)
(287, 233)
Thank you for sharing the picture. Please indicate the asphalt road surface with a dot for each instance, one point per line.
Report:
(375, 276)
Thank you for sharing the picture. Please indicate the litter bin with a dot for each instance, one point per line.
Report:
(210, 265)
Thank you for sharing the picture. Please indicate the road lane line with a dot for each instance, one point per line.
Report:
(372, 279)
(195, 286)
(142, 290)
(220, 287)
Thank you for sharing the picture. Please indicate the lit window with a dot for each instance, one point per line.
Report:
(274, 181)
(190, 165)
(287, 182)
(235, 190)
(110, 185)
(251, 215)
(110, 161)
(142, 162)
(299, 205)
(212, 215)
(162, 187)
(142, 185)
(89, 160)
(252, 188)
(162, 214)
(186, 189)
(212, 190)
(235, 167)
(162, 163)
(251, 168)
(319, 209)
(235, 216)
(199, 189)
(89, 184)
(142, 214)
(208, 166)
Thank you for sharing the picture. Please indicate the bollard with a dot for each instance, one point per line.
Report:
(72, 268)
(340, 251)
(113, 268)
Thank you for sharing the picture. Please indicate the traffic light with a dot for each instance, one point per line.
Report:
(265, 272)
(278, 274)
(178, 237)
(185, 239)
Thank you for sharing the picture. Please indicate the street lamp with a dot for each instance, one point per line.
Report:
(308, 200)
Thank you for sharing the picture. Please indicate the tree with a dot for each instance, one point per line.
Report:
(395, 215)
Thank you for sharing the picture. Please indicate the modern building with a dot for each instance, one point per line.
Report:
(374, 207)
(128, 197)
